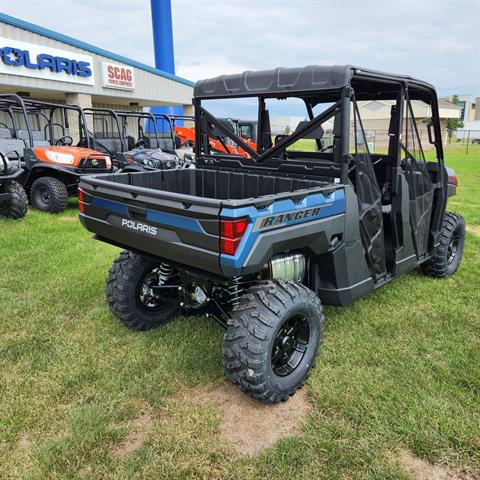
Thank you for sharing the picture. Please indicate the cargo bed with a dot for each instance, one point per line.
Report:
(228, 186)
(175, 214)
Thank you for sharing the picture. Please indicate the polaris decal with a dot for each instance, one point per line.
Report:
(263, 223)
(139, 227)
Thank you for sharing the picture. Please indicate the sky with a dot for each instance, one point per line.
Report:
(437, 41)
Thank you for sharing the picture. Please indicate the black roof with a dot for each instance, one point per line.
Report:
(303, 80)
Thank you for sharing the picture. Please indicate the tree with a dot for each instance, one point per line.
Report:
(287, 130)
(453, 123)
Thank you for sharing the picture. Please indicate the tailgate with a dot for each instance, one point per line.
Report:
(175, 227)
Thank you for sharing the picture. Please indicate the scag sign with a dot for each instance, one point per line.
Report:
(118, 76)
(30, 60)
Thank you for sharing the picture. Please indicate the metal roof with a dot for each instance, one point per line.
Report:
(16, 22)
(287, 81)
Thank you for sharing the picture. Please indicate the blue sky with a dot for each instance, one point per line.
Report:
(437, 41)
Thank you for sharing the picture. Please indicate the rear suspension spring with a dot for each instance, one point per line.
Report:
(235, 289)
(165, 271)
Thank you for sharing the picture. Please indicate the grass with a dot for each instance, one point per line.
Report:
(398, 370)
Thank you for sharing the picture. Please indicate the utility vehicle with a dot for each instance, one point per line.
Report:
(151, 143)
(261, 243)
(218, 141)
(13, 199)
(50, 164)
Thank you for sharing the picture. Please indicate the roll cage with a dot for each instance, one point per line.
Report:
(379, 180)
(107, 130)
(45, 116)
(344, 86)
(152, 119)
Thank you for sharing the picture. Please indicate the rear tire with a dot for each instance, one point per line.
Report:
(130, 297)
(16, 207)
(272, 339)
(447, 258)
(49, 194)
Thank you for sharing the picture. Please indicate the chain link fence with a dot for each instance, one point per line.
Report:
(464, 139)
(377, 140)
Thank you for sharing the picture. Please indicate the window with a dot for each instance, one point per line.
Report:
(462, 105)
(358, 139)
(376, 116)
(246, 131)
(411, 142)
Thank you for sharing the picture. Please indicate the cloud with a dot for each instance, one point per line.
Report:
(436, 41)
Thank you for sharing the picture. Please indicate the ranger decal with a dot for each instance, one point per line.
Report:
(281, 219)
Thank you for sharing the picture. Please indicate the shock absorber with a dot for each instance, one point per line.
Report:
(165, 271)
(235, 290)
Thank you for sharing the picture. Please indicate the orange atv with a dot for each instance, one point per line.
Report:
(52, 166)
(53, 173)
(218, 142)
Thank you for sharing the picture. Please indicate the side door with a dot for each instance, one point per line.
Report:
(369, 196)
(420, 185)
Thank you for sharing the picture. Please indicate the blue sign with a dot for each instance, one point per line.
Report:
(16, 57)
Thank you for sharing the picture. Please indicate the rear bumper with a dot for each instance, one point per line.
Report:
(159, 242)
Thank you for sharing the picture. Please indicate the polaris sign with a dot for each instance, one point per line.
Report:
(30, 60)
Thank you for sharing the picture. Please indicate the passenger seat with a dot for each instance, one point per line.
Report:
(38, 138)
(12, 148)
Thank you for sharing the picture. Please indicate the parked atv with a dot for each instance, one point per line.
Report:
(155, 150)
(260, 243)
(13, 199)
(51, 165)
(219, 142)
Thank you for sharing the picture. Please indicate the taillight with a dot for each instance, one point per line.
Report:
(81, 205)
(231, 234)
(453, 180)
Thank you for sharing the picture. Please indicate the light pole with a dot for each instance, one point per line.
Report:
(163, 45)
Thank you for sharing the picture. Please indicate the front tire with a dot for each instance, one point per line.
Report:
(447, 258)
(130, 295)
(16, 206)
(272, 339)
(49, 194)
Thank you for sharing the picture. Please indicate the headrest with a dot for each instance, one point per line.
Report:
(5, 133)
(315, 134)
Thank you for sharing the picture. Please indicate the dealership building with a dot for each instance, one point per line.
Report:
(44, 65)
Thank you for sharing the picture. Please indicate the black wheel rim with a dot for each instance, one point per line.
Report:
(149, 296)
(290, 345)
(453, 247)
(42, 197)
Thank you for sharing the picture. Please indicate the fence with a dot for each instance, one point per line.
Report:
(377, 140)
(468, 139)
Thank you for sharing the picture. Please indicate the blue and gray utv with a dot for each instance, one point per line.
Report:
(259, 242)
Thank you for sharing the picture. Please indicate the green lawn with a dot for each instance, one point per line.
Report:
(399, 370)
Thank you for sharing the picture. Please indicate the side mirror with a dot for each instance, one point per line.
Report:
(431, 136)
